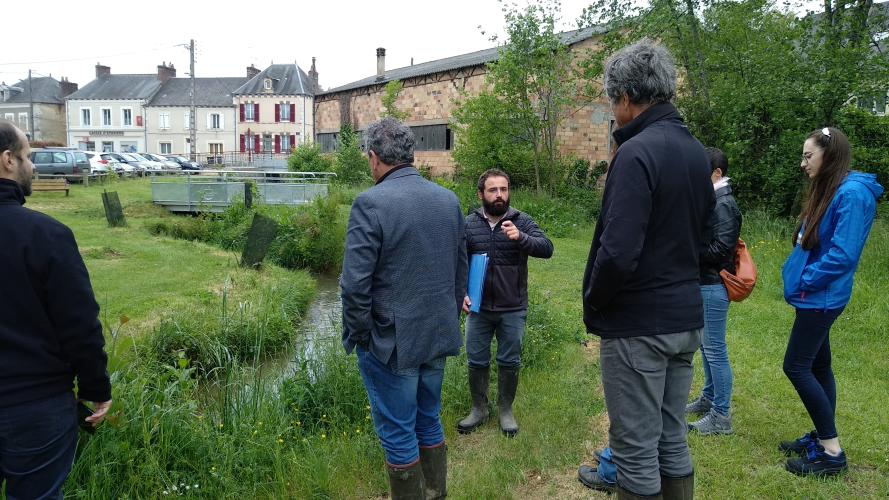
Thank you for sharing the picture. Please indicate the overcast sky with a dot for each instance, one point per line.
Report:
(69, 38)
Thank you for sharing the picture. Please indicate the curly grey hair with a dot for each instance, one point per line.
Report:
(644, 71)
(391, 140)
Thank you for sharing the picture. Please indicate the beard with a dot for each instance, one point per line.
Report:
(497, 207)
(25, 184)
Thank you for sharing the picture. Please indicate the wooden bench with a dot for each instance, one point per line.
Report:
(50, 185)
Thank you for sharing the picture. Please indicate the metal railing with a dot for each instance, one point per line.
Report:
(216, 190)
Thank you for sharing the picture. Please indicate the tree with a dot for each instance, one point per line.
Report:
(754, 80)
(351, 165)
(532, 86)
(390, 97)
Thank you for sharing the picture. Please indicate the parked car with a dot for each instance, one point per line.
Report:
(98, 165)
(168, 164)
(151, 166)
(69, 162)
(119, 164)
(185, 163)
(135, 161)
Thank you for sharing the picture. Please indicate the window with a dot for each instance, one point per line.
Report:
(285, 112)
(267, 84)
(126, 117)
(267, 143)
(86, 118)
(328, 142)
(23, 121)
(10, 117)
(166, 148)
(285, 143)
(248, 112)
(59, 157)
(250, 142)
(215, 121)
(432, 138)
(163, 120)
(215, 148)
(127, 147)
(107, 146)
(186, 119)
(106, 117)
(42, 157)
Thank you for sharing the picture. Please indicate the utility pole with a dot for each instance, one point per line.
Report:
(191, 114)
(31, 107)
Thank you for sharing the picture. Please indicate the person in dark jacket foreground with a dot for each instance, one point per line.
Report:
(641, 290)
(718, 253)
(833, 228)
(508, 237)
(50, 336)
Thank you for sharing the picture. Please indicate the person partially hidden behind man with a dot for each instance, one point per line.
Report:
(50, 336)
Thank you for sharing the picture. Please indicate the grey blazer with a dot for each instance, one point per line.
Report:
(404, 271)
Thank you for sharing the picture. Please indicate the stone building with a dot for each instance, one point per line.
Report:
(429, 95)
(275, 108)
(46, 97)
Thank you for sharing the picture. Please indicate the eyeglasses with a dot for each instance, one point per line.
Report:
(806, 157)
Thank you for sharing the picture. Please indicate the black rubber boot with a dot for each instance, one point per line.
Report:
(507, 382)
(623, 494)
(478, 389)
(435, 471)
(407, 482)
(678, 488)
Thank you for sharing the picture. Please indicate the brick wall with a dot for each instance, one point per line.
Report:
(583, 134)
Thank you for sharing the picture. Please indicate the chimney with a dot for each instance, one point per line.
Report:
(102, 70)
(164, 72)
(252, 71)
(381, 63)
(67, 88)
(313, 74)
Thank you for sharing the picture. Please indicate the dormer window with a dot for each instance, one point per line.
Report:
(267, 84)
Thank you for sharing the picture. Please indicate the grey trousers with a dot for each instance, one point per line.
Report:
(646, 382)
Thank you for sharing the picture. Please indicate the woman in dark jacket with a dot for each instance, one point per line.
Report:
(714, 403)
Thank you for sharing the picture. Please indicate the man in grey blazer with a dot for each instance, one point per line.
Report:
(403, 283)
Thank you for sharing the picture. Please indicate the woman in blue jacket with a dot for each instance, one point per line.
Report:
(833, 228)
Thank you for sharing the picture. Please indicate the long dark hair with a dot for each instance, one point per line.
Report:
(835, 158)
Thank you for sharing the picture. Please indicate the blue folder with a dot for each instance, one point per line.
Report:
(478, 265)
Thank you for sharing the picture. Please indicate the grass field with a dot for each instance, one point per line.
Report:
(245, 442)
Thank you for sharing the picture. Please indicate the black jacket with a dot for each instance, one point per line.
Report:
(506, 280)
(642, 275)
(49, 328)
(720, 238)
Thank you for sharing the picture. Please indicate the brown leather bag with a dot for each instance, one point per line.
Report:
(740, 285)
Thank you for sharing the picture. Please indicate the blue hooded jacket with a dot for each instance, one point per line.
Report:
(821, 278)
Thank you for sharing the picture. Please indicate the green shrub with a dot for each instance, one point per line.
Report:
(310, 237)
(307, 157)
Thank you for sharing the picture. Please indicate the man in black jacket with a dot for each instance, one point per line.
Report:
(640, 287)
(50, 335)
(508, 236)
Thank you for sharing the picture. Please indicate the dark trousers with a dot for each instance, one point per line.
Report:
(37, 443)
(646, 381)
(807, 365)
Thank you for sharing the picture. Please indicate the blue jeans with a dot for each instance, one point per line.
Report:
(714, 352)
(37, 443)
(405, 405)
(509, 328)
(807, 365)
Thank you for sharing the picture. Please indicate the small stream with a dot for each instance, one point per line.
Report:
(320, 328)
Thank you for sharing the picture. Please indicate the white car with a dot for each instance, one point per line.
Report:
(98, 165)
(168, 164)
(118, 164)
(151, 165)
